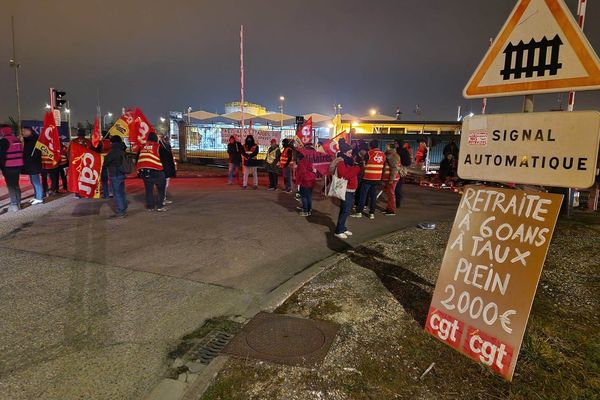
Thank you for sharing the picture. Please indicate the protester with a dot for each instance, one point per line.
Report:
(152, 172)
(11, 163)
(114, 161)
(285, 163)
(168, 161)
(373, 170)
(234, 150)
(104, 148)
(32, 164)
(80, 140)
(421, 154)
(306, 177)
(447, 169)
(347, 169)
(360, 160)
(390, 177)
(62, 166)
(451, 148)
(250, 161)
(405, 161)
(272, 164)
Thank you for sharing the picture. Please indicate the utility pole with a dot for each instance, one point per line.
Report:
(15, 64)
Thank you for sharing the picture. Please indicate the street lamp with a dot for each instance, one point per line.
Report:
(47, 106)
(281, 101)
(372, 111)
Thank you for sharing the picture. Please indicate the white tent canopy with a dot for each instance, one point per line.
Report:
(203, 115)
(318, 118)
(237, 116)
(275, 117)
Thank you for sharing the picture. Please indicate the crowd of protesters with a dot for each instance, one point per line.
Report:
(367, 170)
(20, 156)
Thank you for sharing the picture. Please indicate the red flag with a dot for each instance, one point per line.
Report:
(85, 169)
(304, 133)
(250, 128)
(96, 132)
(139, 130)
(49, 143)
(332, 146)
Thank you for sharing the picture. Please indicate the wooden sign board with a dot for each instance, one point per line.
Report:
(549, 148)
(490, 273)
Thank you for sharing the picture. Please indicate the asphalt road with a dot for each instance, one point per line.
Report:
(90, 306)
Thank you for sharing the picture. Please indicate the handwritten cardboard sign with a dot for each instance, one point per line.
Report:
(490, 273)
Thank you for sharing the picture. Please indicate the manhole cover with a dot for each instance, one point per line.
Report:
(283, 339)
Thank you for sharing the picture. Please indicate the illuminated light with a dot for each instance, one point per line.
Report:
(355, 123)
(330, 126)
(47, 106)
(471, 114)
(162, 119)
(109, 114)
(281, 98)
(67, 111)
(372, 111)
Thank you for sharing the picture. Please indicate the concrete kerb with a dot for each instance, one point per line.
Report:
(274, 300)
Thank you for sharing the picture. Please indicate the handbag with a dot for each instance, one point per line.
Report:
(338, 187)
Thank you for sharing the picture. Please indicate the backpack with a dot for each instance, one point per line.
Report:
(127, 166)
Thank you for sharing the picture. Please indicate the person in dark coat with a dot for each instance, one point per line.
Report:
(405, 162)
(32, 164)
(250, 161)
(113, 161)
(165, 152)
(234, 150)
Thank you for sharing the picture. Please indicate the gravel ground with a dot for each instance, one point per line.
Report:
(379, 295)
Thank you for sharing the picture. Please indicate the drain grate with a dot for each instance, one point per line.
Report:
(212, 349)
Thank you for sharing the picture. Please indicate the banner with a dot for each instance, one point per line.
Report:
(304, 134)
(489, 275)
(123, 125)
(96, 133)
(332, 146)
(319, 159)
(139, 129)
(262, 138)
(85, 168)
(49, 143)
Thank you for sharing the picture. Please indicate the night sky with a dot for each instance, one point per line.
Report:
(167, 55)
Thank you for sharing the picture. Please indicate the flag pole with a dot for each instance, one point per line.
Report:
(242, 78)
(580, 20)
(484, 101)
(14, 63)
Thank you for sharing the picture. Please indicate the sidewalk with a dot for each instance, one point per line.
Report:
(379, 295)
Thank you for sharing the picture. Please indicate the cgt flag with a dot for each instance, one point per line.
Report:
(332, 146)
(49, 143)
(139, 129)
(85, 169)
(96, 133)
(304, 133)
(123, 125)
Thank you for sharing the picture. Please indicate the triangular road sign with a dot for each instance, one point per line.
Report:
(540, 49)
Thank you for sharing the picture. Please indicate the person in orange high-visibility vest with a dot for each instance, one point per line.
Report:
(373, 171)
(152, 172)
(286, 165)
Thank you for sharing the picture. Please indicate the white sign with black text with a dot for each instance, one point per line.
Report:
(549, 148)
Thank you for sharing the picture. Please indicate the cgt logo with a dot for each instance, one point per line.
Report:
(378, 158)
(488, 350)
(88, 178)
(306, 134)
(446, 328)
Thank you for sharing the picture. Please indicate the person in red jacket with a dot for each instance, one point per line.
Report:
(348, 170)
(306, 176)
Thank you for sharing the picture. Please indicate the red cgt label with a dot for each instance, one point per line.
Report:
(488, 350)
(446, 328)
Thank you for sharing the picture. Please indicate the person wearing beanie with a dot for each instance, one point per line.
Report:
(272, 164)
(373, 170)
(348, 170)
(250, 153)
(11, 163)
(114, 163)
(152, 172)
